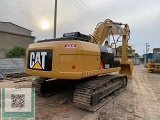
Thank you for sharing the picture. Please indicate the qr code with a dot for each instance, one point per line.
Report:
(17, 100)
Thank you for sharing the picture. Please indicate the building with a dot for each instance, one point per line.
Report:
(13, 35)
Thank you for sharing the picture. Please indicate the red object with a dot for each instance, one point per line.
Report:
(73, 67)
(101, 64)
(70, 45)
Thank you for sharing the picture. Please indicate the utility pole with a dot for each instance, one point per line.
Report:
(55, 19)
(147, 47)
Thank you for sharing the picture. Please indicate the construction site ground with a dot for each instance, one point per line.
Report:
(140, 101)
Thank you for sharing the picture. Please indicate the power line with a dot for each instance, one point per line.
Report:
(41, 14)
(90, 9)
(82, 10)
(87, 10)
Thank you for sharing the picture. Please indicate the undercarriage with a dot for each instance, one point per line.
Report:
(90, 94)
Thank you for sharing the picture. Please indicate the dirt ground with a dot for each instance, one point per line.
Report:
(140, 101)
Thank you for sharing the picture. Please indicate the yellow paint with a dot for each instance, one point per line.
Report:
(127, 68)
(37, 65)
(153, 66)
(85, 57)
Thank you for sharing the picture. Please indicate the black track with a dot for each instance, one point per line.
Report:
(90, 94)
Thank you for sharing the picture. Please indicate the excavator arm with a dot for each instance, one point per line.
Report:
(104, 29)
(108, 27)
(126, 65)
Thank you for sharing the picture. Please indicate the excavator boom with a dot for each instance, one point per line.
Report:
(108, 27)
(104, 29)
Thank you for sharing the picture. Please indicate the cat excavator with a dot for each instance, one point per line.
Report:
(82, 61)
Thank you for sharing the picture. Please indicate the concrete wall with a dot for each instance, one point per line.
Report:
(2, 53)
(8, 41)
(10, 27)
(15, 65)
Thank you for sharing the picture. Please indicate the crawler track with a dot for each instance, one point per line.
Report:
(46, 88)
(90, 94)
(93, 94)
(37, 84)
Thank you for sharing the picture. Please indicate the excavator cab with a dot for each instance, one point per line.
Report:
(126, 66)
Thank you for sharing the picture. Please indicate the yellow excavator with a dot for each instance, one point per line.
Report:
(82, 61)
(154, 64)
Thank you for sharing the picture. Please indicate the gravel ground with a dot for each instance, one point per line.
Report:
(140, 101)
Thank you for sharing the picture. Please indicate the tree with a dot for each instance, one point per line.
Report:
(136, 55)
(119, 50)
(16, 52)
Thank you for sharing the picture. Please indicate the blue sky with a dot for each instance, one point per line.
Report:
(143, 17)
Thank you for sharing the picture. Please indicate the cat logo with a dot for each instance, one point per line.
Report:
(37, 60)
(40, 60)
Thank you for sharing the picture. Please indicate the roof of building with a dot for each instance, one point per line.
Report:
(156, 48)
(17, 34)
(15, 25)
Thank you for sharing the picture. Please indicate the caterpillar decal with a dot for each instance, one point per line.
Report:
(40, 60)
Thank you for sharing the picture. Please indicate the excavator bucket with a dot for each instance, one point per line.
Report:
(127, 68)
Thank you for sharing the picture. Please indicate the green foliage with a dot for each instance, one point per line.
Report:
(16, 52)
(119, 50)
(137, 55)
